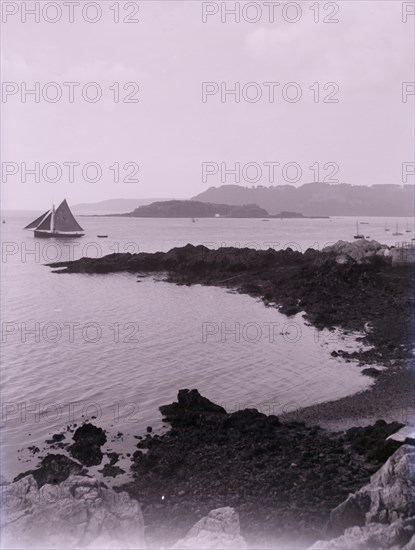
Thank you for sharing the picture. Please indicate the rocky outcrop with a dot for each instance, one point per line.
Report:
(219, 530)
(87, 447)
(375, 441)
(357, 250)
(373, 536)
(382, 513)
(283, 478)
(78, 513)
(191, 408)
(361, 250)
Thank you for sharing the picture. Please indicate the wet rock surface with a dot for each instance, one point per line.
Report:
(283, 479)
(87, 447)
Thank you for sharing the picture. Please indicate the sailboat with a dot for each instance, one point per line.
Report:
(386, 227)
(358, 235)
(396, 232)
(407, 230)
(56, 223)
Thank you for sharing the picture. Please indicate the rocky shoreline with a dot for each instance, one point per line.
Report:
(370, 295)
(283, 477)
(352, 286)
(287, 482)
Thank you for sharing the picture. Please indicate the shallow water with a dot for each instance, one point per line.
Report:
(77, 346)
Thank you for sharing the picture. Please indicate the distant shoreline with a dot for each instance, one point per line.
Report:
(270, 217)
(28, 212)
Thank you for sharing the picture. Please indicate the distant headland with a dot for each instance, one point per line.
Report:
(198, 209)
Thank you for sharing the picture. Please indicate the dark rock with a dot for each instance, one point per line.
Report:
(371, 371)
(54, 468)
(191, 408)
(282, 478)
(111, 471)
(87, 447)
(56, 438)
(114, 457)
(289, 308)
(372, 440)
(88, 433)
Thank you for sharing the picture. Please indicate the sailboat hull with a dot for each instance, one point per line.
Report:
(58, 234)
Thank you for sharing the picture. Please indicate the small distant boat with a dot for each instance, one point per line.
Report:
(397, 233)
(193, 220)
(407, 230)
(265, 220)
(4, 221)
(56, 223)
(358, 235)
(364, 223)
(386, 227)
(102, 236)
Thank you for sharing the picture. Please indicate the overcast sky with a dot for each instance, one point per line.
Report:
(170, 131)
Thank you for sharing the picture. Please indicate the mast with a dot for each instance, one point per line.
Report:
(52, 221)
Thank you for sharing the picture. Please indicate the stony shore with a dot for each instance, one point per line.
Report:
(282, 475)
(283, 479)
(391, 397)
(359, 291)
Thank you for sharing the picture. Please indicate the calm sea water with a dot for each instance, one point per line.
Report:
(77, 346)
